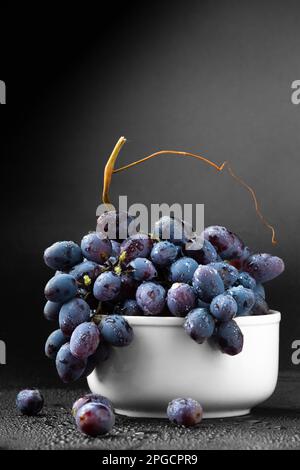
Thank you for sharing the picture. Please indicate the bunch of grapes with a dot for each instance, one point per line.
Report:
(103, 280)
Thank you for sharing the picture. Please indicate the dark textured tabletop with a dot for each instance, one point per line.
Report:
(274, 425)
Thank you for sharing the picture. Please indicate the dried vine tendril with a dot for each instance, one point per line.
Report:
(110, 170)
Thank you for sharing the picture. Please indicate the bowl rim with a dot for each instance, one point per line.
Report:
(248, 320)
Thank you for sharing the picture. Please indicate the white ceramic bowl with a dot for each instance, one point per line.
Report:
(163, 363)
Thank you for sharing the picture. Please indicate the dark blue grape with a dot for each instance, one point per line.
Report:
(128, 287)
(175, 230)
(69, 367)
(101, 355)
(61, 288)
(115, 330)
(54, 342)
(62, 255)
(185, 412)
(223, 307)
(183, 270)
(244, 279)
(164, 253)
(227, 244)
(204, 255)
(244, 298)
(142, 269)
(95, 248)
(207, 283)
(260, 306)
(72, 314)
(199, 325)
(181, 299)
(51, 310)
(107, 286)
(85, 340)
(229, 338)
(239, 262)
(260, 290)
(30, 402)
(151, 298)
(114, 224)
(95, 419)
(137, 246)
(264, 267)
(128, 308)
(89, 268)
(229, 274)
(90, 398)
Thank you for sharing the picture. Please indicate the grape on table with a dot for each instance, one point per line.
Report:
(95, 419)
(29, 402)
(185, 412)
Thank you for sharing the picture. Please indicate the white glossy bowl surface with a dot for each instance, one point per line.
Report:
(163, 363)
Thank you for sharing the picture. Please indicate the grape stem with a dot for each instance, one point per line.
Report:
(110, 170)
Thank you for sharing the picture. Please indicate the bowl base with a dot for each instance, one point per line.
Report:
(206, 415)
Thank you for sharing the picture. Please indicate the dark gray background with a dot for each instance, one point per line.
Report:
(212, 77)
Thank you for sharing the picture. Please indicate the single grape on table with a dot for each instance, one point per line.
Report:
(95, 419)
(185, 412)
(90, 398)
(30, 402)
